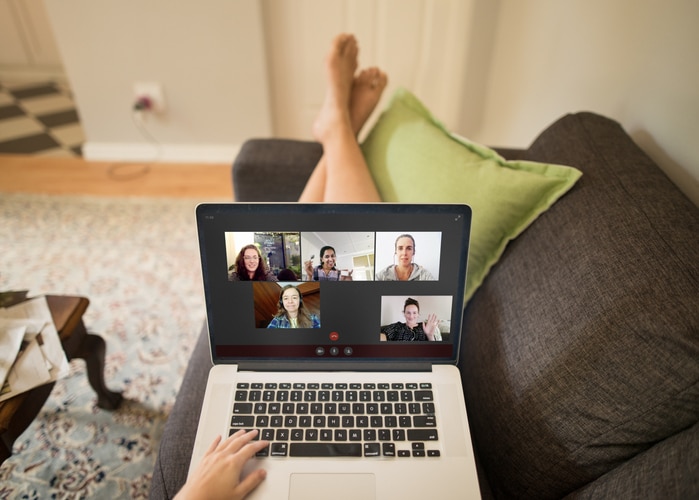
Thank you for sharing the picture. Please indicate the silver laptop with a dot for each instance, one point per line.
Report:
(345, 368)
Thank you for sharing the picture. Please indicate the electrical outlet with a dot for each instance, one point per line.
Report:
(153, 91)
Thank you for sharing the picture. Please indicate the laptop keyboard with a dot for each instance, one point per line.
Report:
(338, 419)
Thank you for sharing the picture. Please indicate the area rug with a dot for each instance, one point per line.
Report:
(136, 259)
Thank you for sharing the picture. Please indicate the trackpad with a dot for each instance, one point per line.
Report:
(335, 486)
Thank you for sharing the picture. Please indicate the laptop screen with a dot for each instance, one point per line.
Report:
(334, 283)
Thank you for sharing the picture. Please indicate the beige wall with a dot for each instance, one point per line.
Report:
(631, 60)
(207, 54)
(421, 44)
(496, 71)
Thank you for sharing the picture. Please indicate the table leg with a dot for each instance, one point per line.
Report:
(92, 348)
(93, 354)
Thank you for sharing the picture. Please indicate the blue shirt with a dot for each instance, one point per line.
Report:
(283, 322)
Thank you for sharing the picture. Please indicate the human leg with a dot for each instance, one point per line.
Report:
(342, 173)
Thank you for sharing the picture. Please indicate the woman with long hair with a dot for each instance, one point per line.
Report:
(250, 266)
(291, 312)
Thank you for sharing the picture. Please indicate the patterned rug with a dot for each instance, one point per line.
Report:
(136, 259)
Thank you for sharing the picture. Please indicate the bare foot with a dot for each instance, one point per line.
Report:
(340, 65)
(367, 88)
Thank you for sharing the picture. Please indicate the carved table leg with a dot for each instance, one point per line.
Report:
(92, 349)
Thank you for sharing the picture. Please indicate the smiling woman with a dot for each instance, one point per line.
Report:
(338, 256)
(404, 267)
(250, 266)
(291, 312)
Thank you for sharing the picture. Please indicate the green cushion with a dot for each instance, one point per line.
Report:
(414, 158)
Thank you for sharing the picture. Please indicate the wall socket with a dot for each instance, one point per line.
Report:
(154, 92)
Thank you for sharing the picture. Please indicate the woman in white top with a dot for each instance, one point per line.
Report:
(405, 269)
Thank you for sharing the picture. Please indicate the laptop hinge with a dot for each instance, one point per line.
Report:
(294, 366)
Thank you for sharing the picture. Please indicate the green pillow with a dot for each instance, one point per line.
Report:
(413, 158)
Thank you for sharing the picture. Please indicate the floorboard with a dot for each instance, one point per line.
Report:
(37, 174)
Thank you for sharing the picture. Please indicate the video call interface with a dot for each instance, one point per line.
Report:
(294, 283)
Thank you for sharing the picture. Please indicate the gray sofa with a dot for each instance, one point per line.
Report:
(580, 358)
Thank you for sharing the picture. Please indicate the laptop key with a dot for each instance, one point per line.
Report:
(278, 449)
(242, 408)
(424, 396)
(325, 450)
(425, 421)
(422, 435)
(372, 449)
(242, 421)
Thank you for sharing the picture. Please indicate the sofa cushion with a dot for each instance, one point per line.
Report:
(667, 470)
(580, 349)
(413, 158)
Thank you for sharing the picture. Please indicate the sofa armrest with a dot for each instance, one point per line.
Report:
(273, 169)
(591, 310)
(176, 444)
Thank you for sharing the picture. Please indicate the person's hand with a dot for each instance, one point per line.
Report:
(429, 325)
(309, 268)
(218, 474)
(346, 275)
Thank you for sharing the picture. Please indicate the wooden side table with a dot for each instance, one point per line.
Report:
(17, 413)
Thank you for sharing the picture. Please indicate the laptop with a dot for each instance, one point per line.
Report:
(347, 370)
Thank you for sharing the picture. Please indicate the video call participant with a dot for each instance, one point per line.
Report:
(291, 312)
(250, 266)
(405, 269)
(412, 329)
(326, 271)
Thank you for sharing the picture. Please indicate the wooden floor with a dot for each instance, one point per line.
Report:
(63, 176)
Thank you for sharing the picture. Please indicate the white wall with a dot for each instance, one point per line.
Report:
(208, 55)
(631, 60)
(422, 45)
(496, 71)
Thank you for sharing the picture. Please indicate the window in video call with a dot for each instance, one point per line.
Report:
(338, 294)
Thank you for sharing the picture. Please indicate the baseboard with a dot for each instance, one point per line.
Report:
(161, 153)
(32, 75)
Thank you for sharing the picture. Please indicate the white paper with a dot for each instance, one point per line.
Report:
(28, 372)
(43, 360)
(11, 335)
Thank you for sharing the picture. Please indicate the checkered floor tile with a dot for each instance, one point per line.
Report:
(39, 118)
